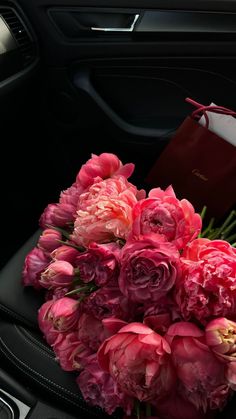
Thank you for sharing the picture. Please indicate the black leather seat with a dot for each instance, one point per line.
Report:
(22, 347)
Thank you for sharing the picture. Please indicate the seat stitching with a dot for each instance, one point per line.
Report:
(34, 345)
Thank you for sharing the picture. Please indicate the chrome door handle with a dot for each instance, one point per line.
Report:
(129, 29)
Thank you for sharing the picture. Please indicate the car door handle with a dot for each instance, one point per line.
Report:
(107, 29)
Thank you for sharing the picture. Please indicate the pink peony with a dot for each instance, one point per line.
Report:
(138, 359)
(109, 302)
(102, 167)
(57, 215)
(57, 274)
(201, 374)
(99, 389)
(231, 375)
(207, 287)
(71, 353)
(65, 253)
(35, 263)
(49, 240)
(61, 315)
(174, 406)
(163, 213)
(99, 264)
(105, 211)
(149, 268)
(71, 195)
(221, 338)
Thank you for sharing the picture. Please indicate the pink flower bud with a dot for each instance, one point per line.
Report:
(58, 274)
(63, 314)
(35, 262)
(49, 240)
(221, 337)
(66, 253)
(58, 215)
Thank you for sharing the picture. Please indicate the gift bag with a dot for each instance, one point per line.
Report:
(200, 164)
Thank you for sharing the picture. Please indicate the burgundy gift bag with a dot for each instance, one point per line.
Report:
(200, 165)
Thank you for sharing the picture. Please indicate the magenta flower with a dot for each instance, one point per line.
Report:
(65, 253)
(49, 240)
(71, 353)
(102, 167)
(99, 389)
(100, 263)
(58, 215)
(163, 213)
(62, 315)
(138, 359)
(149, 268)
(207, 287)
(71, 195)
(200, 373)
(35, 263)
(45, 323)
(58, 274)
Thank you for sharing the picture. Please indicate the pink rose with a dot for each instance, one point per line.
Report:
(35, 263)
(58, 215)
(58, 274)
(105, 211)
(207, 287)
(65, 253)
(61, 315)
(109, 302)
(137, 358)
(99, 264)
(104, 166)
(221, 338)
(149, 268)
(99, 389)
(163, 213)
(71, 353)
(49, 240)
(201, 374)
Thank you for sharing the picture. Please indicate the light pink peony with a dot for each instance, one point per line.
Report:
(58, 274)
(65, 253)
(49, 240)
(57, 215)
(220, 336)
(100, 263)
(103, 166)
(163, 213)
(149, 268)
(71, 353)
(201, 374)
(35, 263)
(99, 389)
(207, 288)
(105, 211)
(138, 360)
(62, 315)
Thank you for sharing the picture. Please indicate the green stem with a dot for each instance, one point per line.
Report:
(137, 408)
(231, 238)
(227, 221)
(208, 228)
(148, 409)
(80, 249)
(203, 212)
(228, 230)
(233, 245)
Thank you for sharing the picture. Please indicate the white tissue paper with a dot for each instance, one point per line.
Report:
(222, 125)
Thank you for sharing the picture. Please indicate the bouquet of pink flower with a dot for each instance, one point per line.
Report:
(138, 300)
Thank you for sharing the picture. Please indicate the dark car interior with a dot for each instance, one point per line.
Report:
(80, 77)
